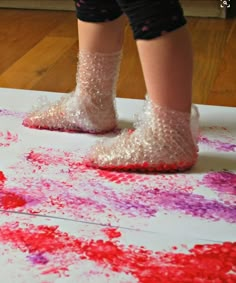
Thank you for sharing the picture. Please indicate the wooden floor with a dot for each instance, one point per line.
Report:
(39, 51)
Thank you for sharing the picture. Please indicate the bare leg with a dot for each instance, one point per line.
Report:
(167, 66)
(101, 37)
(90, 108)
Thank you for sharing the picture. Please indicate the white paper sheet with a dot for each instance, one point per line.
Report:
(41, 174)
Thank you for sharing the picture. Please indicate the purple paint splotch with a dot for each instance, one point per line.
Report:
(15, 114)
(186, 203)
(38, 258)
(218, 145)
(65, 188)
(224, 181)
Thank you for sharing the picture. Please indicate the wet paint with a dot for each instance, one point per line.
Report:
(2, 177)
(71, 190)
(201, 263)
(7, 138)
(111, 233)
(9, 200)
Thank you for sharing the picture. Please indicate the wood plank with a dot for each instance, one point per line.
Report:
(209, 38)
(202, 8)
(223, 91)
(130, 72)
(22, 30)
(131, 82)
(39, 4)
(30, 68)
(25, 32)
(67, 27)
(62, 75)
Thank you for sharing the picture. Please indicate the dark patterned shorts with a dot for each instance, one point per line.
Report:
(148, 18)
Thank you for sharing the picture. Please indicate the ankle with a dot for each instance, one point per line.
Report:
(171, 103)
(97, 73)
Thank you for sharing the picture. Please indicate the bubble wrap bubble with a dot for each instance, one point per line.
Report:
(90, 108)
(164, 140)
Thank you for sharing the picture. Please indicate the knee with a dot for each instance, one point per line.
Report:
(97, 11)
(150, 19)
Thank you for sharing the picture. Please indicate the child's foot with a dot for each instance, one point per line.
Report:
(163, 141)
(91, 107)
(73, 113)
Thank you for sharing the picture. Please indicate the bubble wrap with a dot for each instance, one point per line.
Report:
(164, 140)
(90, 108)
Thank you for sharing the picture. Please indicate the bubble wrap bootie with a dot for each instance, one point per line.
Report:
(164, 141)
(90, 108)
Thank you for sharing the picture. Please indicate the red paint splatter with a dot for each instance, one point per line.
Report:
(2, 177)
(6, 139)
(202, 263)
(10, 200)
(51, 157)
(73, 164)
(48, 157)
(120, 177)
(111, 233)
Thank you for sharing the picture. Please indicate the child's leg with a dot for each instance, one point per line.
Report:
(91, 107)
(101, 37)
(162, 140)
(167, 67)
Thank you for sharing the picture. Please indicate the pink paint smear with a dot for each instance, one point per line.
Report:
(7, 138)
(217, 144)
(64, 187)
